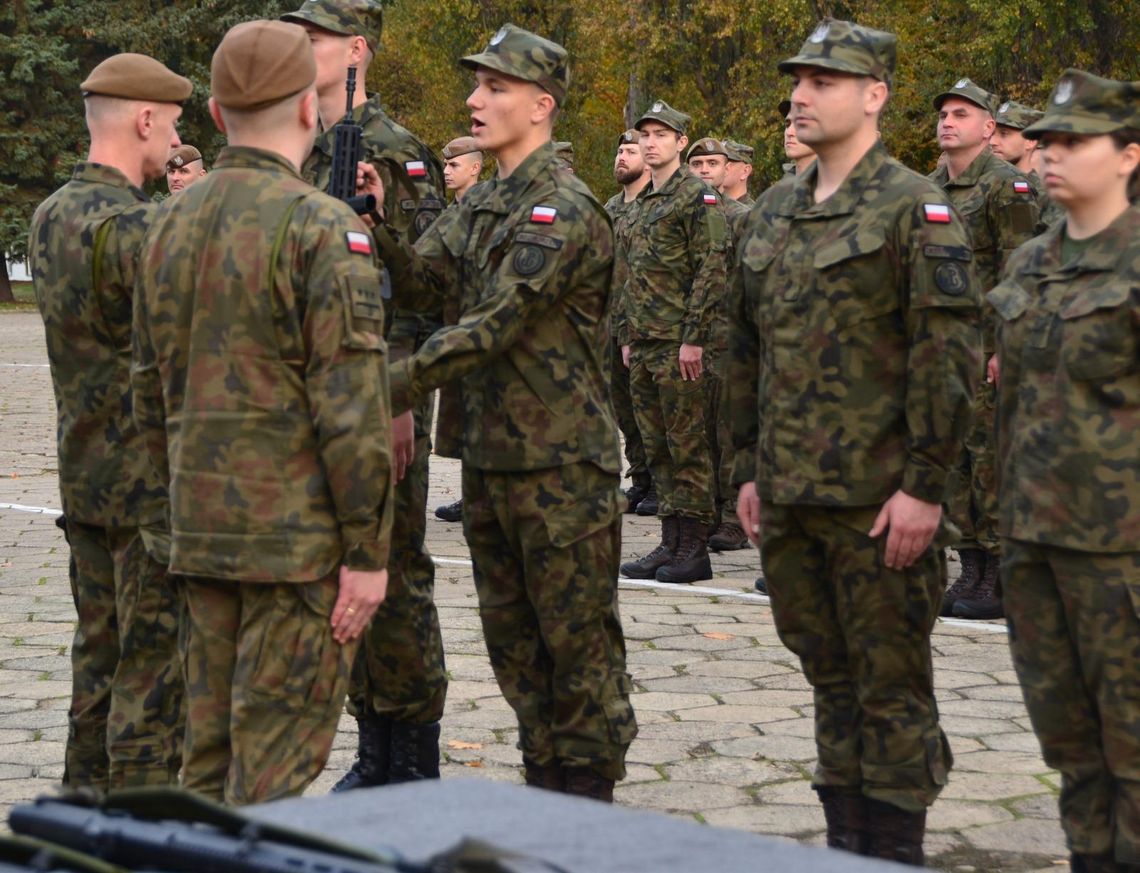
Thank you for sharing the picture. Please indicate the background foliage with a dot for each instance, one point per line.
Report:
(714, 59)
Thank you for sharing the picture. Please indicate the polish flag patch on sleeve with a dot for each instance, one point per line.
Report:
(415, 169)
(543, 214)
(1021, 186)
(710, 199)
(937, 213)
(358, 243)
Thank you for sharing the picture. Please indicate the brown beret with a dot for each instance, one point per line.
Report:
(181, 156)
(259, 63)
(136, 77)
(463, 145)
(629, 137)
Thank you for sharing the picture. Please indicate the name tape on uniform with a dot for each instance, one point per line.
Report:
(415, 168)
(938, 213)
(543, 214)
(358, 243)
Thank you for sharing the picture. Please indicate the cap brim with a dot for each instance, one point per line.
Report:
(637, 124)
(942, 98)
(496, 63)
(1072, 123)
(833, 64)
(316, 20)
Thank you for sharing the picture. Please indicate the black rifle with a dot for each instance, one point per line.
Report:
(347, 153)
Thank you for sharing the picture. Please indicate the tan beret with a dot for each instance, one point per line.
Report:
(259, 63)
(463, 145)
(136, 77)
(181, 156)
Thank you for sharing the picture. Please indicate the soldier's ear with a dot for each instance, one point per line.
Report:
(216, 114)
(307, 109)
(682, 141)
(144, 121)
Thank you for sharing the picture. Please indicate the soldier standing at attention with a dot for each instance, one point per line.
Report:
(184, 167)
(261, 386)
(1069, 456)
(631, 172)
(738, 172)
(1010, 144)
(667, 317)
(530, 254)
(855, 348)
(1000, 210)
(399, 681)
(125, 718)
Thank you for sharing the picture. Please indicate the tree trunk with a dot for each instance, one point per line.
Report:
(6, 295)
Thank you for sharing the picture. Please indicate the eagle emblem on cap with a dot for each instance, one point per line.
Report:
(820, 33)
(657, 107)
(961, 83)
(1004, 107)
(1064, 92)
(500, 36)
(177, 160)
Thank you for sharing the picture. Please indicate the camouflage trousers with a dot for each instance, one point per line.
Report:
(670, 413)
(545, 547)
(399, 669)
(718, 422)
(127, 712)
(265, 683)
(972, 490)
(862, 633)
(623, 408)
(1074, 630)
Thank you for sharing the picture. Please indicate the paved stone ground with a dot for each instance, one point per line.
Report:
(726, 717)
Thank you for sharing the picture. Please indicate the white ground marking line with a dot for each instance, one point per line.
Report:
(24, 366)
(622, 581)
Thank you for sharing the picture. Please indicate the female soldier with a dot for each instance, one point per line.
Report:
(1069, 449)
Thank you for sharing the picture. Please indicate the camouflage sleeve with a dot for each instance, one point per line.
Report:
(147, 407)
(944, 360)
(423, 274)
(536, 271)
(743, 379)
(1015, 216)
(708, 243)
(413, 187)
(619, 319)
(347, 386)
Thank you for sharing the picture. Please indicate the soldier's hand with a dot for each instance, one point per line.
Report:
(625, 356)
(403, 443)
(361, 592)
(368, 181)
(748, 511)
(690, 358)
(911, 524)
(993, 371)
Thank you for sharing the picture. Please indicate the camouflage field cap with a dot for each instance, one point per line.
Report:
(707, 146)
(968, 90)
(662, 112)
(259, 63)
(347, 17)
(1087, 104)
(463, 145)
(183, 155)
(629, 137)
(738, 151)
(136, 77)
(1017, 115)
(526, 56)
(847, 47)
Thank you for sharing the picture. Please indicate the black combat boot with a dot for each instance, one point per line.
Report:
(646, 567)
(371, 765)
(1079, 863)
(450, 511)
(413, 752)
(637, 492)
(964, 585)
(547, 776)
(985, 600)
(728, 537)
(691, 560)
(648, 504)
(845, 812)
(584, 782)
(894, 834)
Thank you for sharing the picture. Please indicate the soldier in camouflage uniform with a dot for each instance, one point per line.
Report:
(1000, 209)
(530, 253)
(125, 718)
(737, 172)
(399, 681)
(1010, 144)
(855, 350)
(260, 381)
(632, 174)
(666, 318)
(1069, 455)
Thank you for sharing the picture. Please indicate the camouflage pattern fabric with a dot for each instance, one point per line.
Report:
(126, 636)
(1070, 391)
(267, 684)
(862, 634)
(400, 670)
(1087, 104)
(1073, 624)
(847, 47)
(545, 546)
(347, 17)
(718, 431)
(126, 718)
(1050, 209)
(525, 56)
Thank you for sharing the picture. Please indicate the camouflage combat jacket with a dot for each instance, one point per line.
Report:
(677, 264)
(1051, 211)
(1068, 435)
(855, 348)
(623, 215)
(259, 376)
(105, 476)
(1000, 209)
(531, 258)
